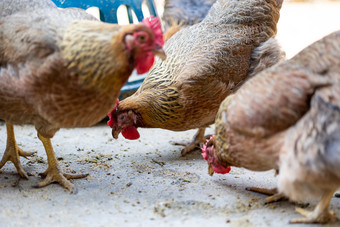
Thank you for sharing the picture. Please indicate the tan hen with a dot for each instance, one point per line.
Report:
(61, 68)
(287, 118)
(205, 62)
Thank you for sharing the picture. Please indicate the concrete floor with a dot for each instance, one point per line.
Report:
(146, 182)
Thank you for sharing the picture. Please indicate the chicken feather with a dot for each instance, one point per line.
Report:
(287, 118)
(206, 62)
(61, 68)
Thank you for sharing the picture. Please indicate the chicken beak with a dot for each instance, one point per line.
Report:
(210, 170)
(116, 132)
(158, 51)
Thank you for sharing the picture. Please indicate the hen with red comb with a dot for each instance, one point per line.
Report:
(205, 63)
(65, 69)
(287, 118)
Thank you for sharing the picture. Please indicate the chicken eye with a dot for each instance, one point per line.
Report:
(122, 117)
(141, 38)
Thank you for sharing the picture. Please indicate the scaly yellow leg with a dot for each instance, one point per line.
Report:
(274, 196)
(13, 152)
(197, 141)
(54, 172)
(320, 214)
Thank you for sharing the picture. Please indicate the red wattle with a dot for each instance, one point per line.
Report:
(130, 133)
(144, 63)
(221, 170)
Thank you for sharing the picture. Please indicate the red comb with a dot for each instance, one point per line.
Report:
(111, 120)
(204, 152)
(153, 23)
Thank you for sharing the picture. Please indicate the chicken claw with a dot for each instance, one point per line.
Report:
(13, 152)
(320, 214)
(54, 172)
(199, 139)
(314, 216)
(274, 196)
(66, 175)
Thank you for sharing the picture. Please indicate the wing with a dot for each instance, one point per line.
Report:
(277, 98)
(274, 100)
(220, 45)
(37, 33)
(310, 157)
(30, 58)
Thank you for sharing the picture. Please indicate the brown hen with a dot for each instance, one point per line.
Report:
(61, 68)
(287, 118)
(205, 62)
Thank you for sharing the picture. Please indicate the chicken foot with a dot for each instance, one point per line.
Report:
(54, 172)
(199, 139)
(13, 152)
(274, 196)
(320, 214)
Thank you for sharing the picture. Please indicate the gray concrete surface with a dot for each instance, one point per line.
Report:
(146, 182)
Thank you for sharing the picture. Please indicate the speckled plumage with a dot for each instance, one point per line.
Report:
(53, 73)
(62, 68)
(205, 62)
(288, 118)
(185, 12)
(261, 111)
(310, 157)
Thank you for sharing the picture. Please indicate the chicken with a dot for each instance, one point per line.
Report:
(205, 62)
(287, 118)
(61, 68)
(311, 169)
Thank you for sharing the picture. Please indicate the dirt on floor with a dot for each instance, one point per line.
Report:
(146, 182)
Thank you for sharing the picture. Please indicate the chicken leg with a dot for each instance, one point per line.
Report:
(13, 152)
(320, 214)
(274, 196)
(54, 172)
(199, 139)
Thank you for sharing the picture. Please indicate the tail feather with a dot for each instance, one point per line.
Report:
(310, 158)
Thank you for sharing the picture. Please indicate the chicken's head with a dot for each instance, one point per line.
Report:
(123, 122)
(210, 155)
(145, 42)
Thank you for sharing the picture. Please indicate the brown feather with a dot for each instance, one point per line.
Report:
(287, 118)
(61, 67)
(205, 62)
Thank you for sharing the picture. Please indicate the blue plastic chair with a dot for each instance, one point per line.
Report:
(108, 8)
(108, 13)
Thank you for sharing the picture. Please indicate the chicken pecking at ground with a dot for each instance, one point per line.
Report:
(287, 118)
(61, 68)
(205, 62)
